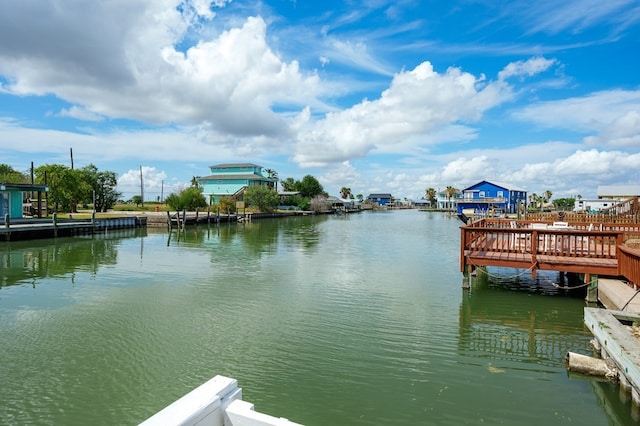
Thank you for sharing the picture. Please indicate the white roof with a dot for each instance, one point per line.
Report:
(618, 190)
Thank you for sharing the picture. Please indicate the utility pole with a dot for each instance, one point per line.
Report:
(162, 191)
(141, 188)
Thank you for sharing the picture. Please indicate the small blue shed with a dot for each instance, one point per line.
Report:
(13, 197)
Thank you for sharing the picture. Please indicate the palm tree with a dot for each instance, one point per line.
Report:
(194, 181)
(430, 195)
(345, 192)
(450, 192)
(273, 175)
(533, 198)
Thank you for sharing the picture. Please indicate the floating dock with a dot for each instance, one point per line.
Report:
(616, 342)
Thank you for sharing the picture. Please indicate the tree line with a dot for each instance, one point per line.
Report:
(69, 187)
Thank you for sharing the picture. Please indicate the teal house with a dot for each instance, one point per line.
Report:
(14, 197)
(230, 180)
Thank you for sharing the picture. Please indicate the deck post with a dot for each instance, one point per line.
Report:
(466, 281)
(54, 219)
(592, 288)
(7, 221)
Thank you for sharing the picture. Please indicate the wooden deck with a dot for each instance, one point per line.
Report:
(580, 248)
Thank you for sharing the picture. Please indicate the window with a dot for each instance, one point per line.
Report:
(481, 194)
(500, 194)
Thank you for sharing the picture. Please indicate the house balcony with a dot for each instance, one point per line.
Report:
(483, 200)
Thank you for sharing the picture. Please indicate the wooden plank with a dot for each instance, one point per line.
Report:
(617, 341)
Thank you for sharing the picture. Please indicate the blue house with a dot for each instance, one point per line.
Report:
(487, 197)
(380, 199)
(13, 197)
(230, 180)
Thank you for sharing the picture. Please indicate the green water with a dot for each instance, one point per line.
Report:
(345, 320)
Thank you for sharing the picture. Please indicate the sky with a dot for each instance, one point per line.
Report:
(391, 96)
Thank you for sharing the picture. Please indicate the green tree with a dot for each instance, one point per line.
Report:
(533, 199)
(565, 204)
(360, 197)
(189, 199)
(450, 192)
(431, 195)
(66, 186)
(102, 185)
(310, 187)
(264, 199)
(273, 175)
(227, 204)
(9, 175)
(345, 192)
(137, 199)
(289, 184)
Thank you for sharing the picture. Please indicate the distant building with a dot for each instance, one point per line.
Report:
(380, 199)
(594, 206)
(230, 180)
(448, 201)
(618, 192)
(487, 197)
(422, 203)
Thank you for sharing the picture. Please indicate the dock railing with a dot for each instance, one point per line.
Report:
(503, 242)
(629, 264)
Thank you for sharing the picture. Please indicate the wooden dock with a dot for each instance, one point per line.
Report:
(617, 343)
(578, 248)
(28, 229)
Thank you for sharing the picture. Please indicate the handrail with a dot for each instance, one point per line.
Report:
(629, 264)
(571, 243)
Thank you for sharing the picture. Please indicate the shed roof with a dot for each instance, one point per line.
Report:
(24, 187)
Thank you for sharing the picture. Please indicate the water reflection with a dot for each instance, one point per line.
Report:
(30, 261)
(498, 320)
(264, 236)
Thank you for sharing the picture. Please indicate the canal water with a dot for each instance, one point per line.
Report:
(358, 319)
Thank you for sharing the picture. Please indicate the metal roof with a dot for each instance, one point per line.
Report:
(507, 186)
(618, 190)
(250, 176)
(24, 187)
(227, 165)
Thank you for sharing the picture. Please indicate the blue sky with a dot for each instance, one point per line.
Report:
(379, 96)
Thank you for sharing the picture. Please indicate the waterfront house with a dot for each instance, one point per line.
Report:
(230, 180)
(14, 198)
(380, 199)
(448, 201)
(422, 203)
(489, 197)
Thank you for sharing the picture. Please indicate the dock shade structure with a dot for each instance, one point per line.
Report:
(16, 199)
